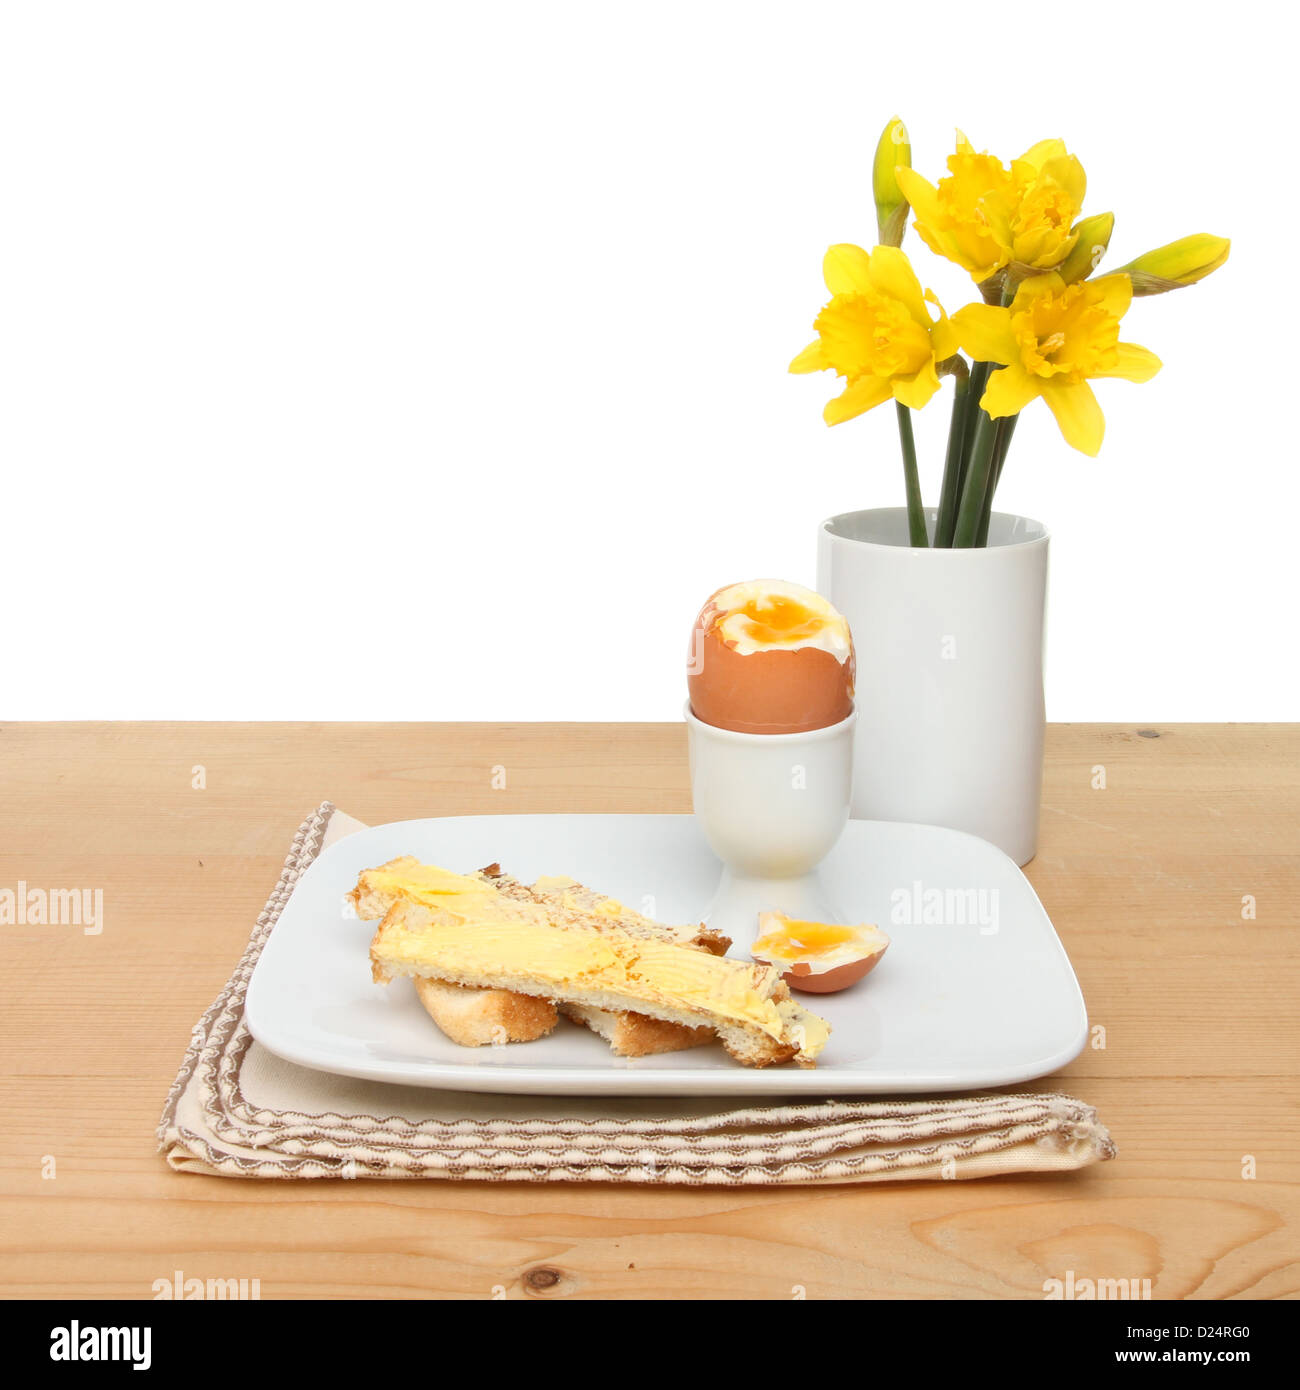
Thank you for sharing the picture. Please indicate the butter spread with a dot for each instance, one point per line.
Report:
(472, 930)
(425, 883)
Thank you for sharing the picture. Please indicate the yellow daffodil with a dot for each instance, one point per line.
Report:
(876, 332)
(986, 217)
(893, 152)
(1050, 341)
(1182, 262)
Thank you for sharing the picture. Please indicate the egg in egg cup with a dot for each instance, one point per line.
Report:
(770, 729)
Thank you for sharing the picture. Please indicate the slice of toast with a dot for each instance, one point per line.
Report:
(499, 942)
(628, 1034)
(485, 1017)
(635, 1035)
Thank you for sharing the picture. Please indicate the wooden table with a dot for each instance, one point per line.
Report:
(1150, 881)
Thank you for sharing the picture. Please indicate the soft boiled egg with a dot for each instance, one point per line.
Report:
(817, 957)
(770, 657)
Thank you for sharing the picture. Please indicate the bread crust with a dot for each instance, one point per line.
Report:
(485, 1017)
(637, 1035)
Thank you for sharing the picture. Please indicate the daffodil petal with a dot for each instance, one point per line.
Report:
(915, 185)
(860, 396)
(1113, 292)
(1051, 283)
(1068, 172)
(920, 193)
(984, 330)
(943, 336)
(810, 359)
(1009, 391)
(1135, 363)
(951, 249)
(915, 390)
(847, 269)
(1078, 415)
(892, 274)
(1038, 155)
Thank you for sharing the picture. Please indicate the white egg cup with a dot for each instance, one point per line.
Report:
(771, 807)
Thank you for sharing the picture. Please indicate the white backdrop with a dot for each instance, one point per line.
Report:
(480, 314)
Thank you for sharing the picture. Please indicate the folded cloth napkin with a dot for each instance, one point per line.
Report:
(237, 1109)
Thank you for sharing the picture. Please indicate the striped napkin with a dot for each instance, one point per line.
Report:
(238, 1110)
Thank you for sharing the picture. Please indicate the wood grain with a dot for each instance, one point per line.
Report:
(1145, 880)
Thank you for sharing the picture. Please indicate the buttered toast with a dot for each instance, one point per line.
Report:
(463, 930)
(498, 1016)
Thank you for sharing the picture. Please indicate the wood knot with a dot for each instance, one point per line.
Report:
(546, 1279)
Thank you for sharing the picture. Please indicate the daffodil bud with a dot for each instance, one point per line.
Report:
(1093, 237)
(1182, 262)
(892, 152)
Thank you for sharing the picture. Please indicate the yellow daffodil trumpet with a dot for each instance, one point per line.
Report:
(1051, 341)
(989, 218)
(876, 332)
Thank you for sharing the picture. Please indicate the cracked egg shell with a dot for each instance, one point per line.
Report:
(770, 657)
(818, 957)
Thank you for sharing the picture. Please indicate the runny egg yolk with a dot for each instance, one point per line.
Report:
(806, 938)
(820, 957)
(776, 618)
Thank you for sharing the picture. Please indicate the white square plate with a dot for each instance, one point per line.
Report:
(975, 989)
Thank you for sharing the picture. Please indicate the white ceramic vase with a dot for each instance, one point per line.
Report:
(950, 672)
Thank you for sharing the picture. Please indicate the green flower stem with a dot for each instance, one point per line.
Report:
(979, 377)
(1006, 428)
(979, 474)
(948, 498)
(915, 509)
(976, 486)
